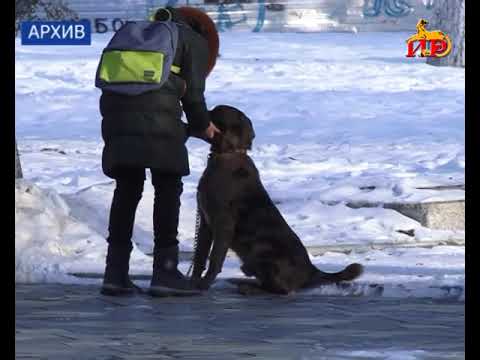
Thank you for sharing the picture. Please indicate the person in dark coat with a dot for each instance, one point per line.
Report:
(146, 131)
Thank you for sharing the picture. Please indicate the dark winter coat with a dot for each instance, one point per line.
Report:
(146, 130)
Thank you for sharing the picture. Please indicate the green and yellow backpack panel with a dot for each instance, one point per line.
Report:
(138, 58)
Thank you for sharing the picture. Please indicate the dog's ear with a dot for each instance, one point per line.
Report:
(249, 131)
(217, 117)
(250, 126)
(222, 142)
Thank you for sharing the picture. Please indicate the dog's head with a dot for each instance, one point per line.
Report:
(236, 129)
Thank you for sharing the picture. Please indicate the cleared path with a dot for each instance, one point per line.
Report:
(75, 322)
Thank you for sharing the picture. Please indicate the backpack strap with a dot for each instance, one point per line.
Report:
(177, 60)
(175, 69)
(168, 17)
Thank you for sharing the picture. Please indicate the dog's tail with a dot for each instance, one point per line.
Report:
(351, 272)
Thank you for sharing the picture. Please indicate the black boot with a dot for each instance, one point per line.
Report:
(116, 281)
(167, 280)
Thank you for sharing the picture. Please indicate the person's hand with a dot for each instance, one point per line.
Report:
(211, 131)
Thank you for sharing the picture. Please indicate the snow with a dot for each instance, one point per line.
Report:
(392, 354)
(338, 118)
(49, 243)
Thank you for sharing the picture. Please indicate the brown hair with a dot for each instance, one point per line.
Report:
(204, 25)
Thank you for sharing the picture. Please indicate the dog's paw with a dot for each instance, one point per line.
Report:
(248, 289)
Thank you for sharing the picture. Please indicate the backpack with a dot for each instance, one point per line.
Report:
(138, 58)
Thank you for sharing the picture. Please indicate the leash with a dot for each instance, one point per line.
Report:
(195, 241)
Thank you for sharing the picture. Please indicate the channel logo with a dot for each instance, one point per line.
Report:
(430, 43)
(56, 32)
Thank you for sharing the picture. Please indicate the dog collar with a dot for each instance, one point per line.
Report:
(237, 151)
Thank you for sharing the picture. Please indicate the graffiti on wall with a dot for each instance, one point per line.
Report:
(261, 16)
(225, 21)
(227, 14)
(273, 15)
(103, 25)
(392, 8)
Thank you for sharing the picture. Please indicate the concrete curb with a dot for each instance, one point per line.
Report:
(318, 250)
(441, 215)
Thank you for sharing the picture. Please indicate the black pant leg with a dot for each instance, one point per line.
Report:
(166, 208)
(127, 195)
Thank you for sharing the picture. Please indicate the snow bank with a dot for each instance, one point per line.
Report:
(50, 243)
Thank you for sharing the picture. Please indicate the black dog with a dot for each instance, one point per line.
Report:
(237, 213)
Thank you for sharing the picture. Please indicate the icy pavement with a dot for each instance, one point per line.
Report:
(338, 117)
(75, 322)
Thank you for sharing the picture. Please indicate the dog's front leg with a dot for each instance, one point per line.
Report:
(223, 232)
